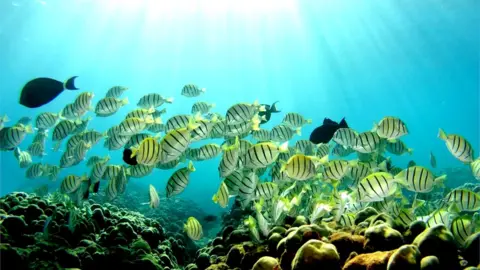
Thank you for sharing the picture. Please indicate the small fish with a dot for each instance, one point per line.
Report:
(464, 199)
(153, 100)
(35, 170)
(193, 228)
(475, 165)
(251, 224)
(154, 199)
(233, 182)
(83, 101)
(325, 132)
(71, 183)
(141, 113)
(390, 128)
(46, 120)
(41, 91)
(282, 133)
(12, 137)
(109, 106)
(440, 216)
(132, 126)
(261, 155)
(322, 150)
(267, 114)
(295, 120)
(247, 187)
(464, 226)
(375, 187)
(367, 142)
(300, 167)
(37, 149)
(340, 151)
(221, 197)
(116, 91)
(202, 107)
(458, 146)
(140, 170)
(147, 153)
(419, 179)
(24, 121)
(243, 112)
(178, 121)
(63, 129)
(208, 151)
(179, 180)
(398, 148)
(433, 160)
(266, 190)
(192, 90)
(261, 135)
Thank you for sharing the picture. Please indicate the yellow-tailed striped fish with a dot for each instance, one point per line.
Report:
(281, 133)
(209, 151)
(141, 113)
(121, 180)
(174, 144)
(233, 130)
(81, 125)
(46, 120)
(295, 120)
(261, 135)
(37, 149)
(464, 199)
(40, 136)
(168, 165)
(367, 142)
(35, 170)
(278, 175)
(475, 165)
(419, 179)
(68, 158)
(233, 182)
(23, 157)
(336, 169)
(202, 107)
(154, 199)
(251, 224)
(92, 136)
(375, 187)
(261, 155)
(433, 160)
(179, 180)
(345, 137)
(53, 171)
(398, 148)
(305, 146)
(99, 168)
(458, 146)
(341, 151)
(390, 128)
(192, 90)
(70, 111)
(243, 112)
(266, 190)
(132, 126)
(81, 150)
(83, 102)
(13, 136)
(111, 172)
(156, 128)
(193, 228)
(247, 187)
(440, 216)
(178, 121)
(63, 129)
(464, 226)
(153, 100)
(222, 195)
(218, 129)
(74, 140)
(244, 146)
(115, 141)
(111, 189)
(300, 167)
(140, 170)
(322, 150)
(347, 220)
(71, 183)
(137, 139)
(148, 152)
(229, 162)
(109, 106)
(116, 91)
(202, 129)
(406, 217)
(192, 154)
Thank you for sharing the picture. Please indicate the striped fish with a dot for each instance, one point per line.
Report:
(81, 150)
(115, 141)
(233, 130)
(202, 130)
(83, 102)
(35, 170)
(300, 167)
(440, 216)
(242, 112)
(261, 155)
(244, 146)
(345, 137)
(266, 190)
(70, 111)
(222, 195)
(63, 129)
(109, 106)
(390, 128)
(37, 149)
(229, 162)
(23, 157)
(140, 170)
(68, 158)
(13, 136)
(475, 165)
(462, 227)
(295, 120)
(46, 120)
(111, 172)
(112, 189)
(193, 228)
(341, 151)
(347, 220)
(153, 100)
(132, 126)
(192, 90)
(218, 129)
(433, 160)
(141, 113)
(261, 135)
(116, 91)
(92, 136)
(202, 107)
(305, 146)
(336, 169)
(136, 140)
(322, 150)
(81, 125)
(419, 179)
(159, 113)
(406, 217)
(71, 183)
(464, 199)
(458, 146)
(121, 180)
(168, 165)
(156, 128)
(53, 172)
(178, 121)
(209, 151)
(283, 133)
(375, 187)
(99, 168)
(174, 144)
(148, 152)
(277, 174)
(233, 182)
(247, 186)
(154, 199)
(74, 140)
(367, 142)
(192, 154)
(179, 180)
(40, 136)
(398, 148)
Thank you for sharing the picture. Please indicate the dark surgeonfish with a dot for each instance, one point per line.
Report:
(210, 218)
(324, 133)
(127, 157)
(41, 91)
(268, 112)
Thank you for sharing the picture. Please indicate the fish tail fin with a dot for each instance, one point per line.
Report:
(439, 180)
(273, 108)
(70, 83)
(169, 100)
(125, 101)
(28, 129)
(151, 110)
(134, 152)
(203, 90)
(256, 122)
(5, 119)
(283, 148)
(298, 131)
(215, 198)
(410, 151)
(375, 127)
(213, 105)
(198, 117)
(148, 119)
(191, 167)
(309, 121)
(441, 134)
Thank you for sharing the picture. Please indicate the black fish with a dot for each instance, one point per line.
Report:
(41, 91)
(268, 112)
(127, 157)
(324, 133)
(210, 218)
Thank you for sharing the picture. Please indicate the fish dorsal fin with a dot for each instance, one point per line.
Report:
(328, 121)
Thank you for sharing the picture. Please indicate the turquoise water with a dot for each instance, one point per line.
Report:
(363, 60)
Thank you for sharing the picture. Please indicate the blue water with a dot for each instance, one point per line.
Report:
(363, 60)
